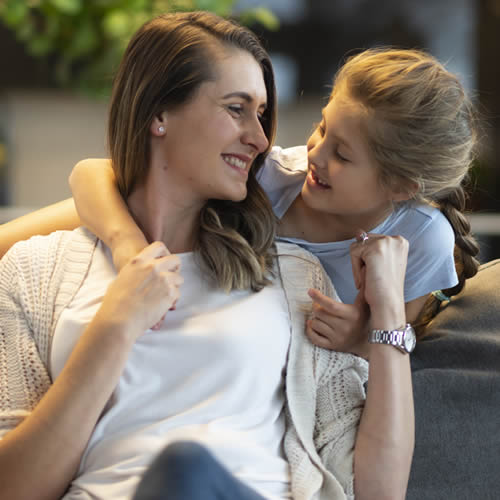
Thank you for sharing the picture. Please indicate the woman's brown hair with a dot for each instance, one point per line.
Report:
(164, 64)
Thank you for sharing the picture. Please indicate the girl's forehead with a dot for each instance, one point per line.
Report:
(344, 107)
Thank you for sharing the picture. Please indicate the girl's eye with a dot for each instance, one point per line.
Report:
(321, 129)
(339, 156)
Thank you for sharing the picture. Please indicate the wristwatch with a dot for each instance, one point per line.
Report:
(403, 338)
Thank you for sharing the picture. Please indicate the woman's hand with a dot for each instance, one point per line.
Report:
(385, 436)
(144, 290)
(379, 267)
(338, 326)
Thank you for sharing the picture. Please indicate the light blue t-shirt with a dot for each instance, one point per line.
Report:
(430, 259)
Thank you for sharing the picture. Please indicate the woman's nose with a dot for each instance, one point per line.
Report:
(256, 137)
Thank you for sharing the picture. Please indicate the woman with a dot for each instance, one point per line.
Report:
(84, 387)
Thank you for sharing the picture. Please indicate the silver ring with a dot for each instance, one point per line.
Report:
(363, 237)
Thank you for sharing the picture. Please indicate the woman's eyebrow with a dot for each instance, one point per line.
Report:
(243, 95)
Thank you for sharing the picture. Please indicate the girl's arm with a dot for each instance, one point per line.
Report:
(102, 209)
(385, 438)
(61, 215)
(39, 458)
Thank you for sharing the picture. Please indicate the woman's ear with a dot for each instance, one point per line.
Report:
(159, 125)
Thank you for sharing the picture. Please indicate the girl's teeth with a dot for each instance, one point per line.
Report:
(236, 162)
(320, 182)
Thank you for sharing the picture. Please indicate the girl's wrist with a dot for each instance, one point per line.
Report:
(125, 247)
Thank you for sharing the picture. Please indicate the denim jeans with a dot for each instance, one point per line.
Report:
(188, 471)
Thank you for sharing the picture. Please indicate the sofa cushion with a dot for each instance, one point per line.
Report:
(456, 384)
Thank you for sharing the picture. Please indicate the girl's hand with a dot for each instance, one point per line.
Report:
(144, 290)
(338, 326)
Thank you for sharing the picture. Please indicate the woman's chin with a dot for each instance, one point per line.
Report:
(239, 195)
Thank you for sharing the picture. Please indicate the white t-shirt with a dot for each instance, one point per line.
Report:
(431, 239)
(213, 374)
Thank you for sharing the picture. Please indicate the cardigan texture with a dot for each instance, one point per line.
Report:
(324, 389)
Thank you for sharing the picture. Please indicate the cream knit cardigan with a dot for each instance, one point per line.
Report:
(324, 389)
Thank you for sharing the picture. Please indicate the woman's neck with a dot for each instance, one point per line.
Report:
(166, 216)
(302, 221)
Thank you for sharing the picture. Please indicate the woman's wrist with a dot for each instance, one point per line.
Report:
(119, 327)
(389, 315)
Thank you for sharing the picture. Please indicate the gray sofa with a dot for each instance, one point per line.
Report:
(456, 384)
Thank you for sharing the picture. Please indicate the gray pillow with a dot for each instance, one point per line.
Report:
(456, 385)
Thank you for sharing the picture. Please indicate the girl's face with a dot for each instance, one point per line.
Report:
(342, 176)
(211, 142)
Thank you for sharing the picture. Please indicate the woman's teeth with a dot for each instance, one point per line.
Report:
(236, 162)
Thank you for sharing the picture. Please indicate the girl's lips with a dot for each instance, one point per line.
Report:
(313, 181)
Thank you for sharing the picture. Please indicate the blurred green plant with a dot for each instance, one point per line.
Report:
(83, 40)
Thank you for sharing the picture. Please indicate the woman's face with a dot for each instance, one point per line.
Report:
(211, 142)
(342, 174)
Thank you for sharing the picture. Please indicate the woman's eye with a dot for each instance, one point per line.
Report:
(235, 109)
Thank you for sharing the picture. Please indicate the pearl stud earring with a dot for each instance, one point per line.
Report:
(161, 129)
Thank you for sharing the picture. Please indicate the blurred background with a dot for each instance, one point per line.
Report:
(57, 59)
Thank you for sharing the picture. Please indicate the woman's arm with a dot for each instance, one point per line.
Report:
(39, 458)
(93, 184)
(385, 439)
(60, 215)
(343, 327)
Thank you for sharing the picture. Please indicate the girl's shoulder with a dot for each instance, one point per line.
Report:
(431, 239)
(419, 222)
(282, 175)
(289, 160)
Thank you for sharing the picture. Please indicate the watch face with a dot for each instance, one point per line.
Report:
(409, 339)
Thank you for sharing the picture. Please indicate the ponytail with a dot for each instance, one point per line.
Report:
(466, 250)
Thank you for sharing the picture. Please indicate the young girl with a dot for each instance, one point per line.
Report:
(390, 154)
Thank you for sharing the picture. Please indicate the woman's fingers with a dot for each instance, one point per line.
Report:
(379, 264)
(146, 288)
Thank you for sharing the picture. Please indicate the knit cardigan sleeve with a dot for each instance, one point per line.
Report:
(340, 398)
(35, 284)
(325, 391)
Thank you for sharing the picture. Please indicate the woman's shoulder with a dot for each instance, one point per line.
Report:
(51, 245)
(39, 258)
(302, 270)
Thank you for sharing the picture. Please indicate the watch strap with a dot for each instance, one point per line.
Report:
(390, 337)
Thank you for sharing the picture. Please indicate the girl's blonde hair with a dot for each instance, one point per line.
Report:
(164, 64)
(421, 128)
